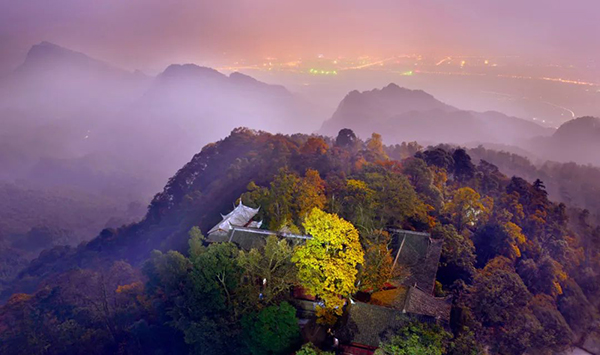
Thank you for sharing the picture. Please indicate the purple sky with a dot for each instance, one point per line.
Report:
(150, 34)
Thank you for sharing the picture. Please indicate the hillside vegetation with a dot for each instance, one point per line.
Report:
(523, 271)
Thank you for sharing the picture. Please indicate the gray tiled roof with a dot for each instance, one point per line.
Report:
(422, 303)
(248, 238)
(419, 255)
(239, 217)
(370, 325)
(415, 301)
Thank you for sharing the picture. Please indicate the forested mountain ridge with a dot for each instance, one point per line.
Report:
(34, 219)
(85, 143)
(523, 271)
(573, 184)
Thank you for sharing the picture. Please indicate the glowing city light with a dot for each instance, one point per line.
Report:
(322, 72)
(442, 61)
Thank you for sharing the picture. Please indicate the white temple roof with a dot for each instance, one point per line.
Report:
(239, 217)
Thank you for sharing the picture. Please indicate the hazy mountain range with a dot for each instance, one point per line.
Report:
(577, 140)
(413, 115)
(84, 145)
(69, 120)
(64, 114)
(402, 115)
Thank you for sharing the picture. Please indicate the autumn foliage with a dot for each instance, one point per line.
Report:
(523, 272)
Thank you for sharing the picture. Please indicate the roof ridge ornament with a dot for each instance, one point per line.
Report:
(241, 215)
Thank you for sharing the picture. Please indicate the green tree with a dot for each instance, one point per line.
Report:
(438, 157)
(498, 293)
(422, 179)
(310, 349)
(465, 343)
(288, 199)
(543, 276)
(281, 204)
(272, 331)
(501, 302)
(347, 139)
(271, 265)
(494, 239)
(464, 169)
(458, 255)
(208, 308)
(196, 242)
(396, 201)
(416, 339)
(166, 272)
(358, 203)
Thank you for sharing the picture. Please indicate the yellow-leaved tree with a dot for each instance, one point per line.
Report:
(467, 208)
(327, 263)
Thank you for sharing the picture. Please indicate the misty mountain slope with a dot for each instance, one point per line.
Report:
(79, 130)
(222, 172)
(34, 218)
(570, 183)
(51, 104)
(25, 206)
(198, 95)
(459, 127)
(577, 140)
(57, 82)
(61, 104)
(412, 115)
(206, 186)
(187, 106)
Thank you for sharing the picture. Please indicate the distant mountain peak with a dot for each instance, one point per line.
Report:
(577, 128)
(360, 110)
(240, 77)
(399, 99)
(48, 44)
(246, 80)
(402, 114)
(393, 92)
(190, 71)
(47, 55)
(392, 86)
(577, 140)
(195, 75)
(47, 50)
(394, 89)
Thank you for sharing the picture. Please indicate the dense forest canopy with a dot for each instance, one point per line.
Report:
(523, 271)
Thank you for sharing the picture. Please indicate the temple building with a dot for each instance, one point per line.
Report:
(379, 315)
(371, 317)
(238, 227)
(241, 216)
